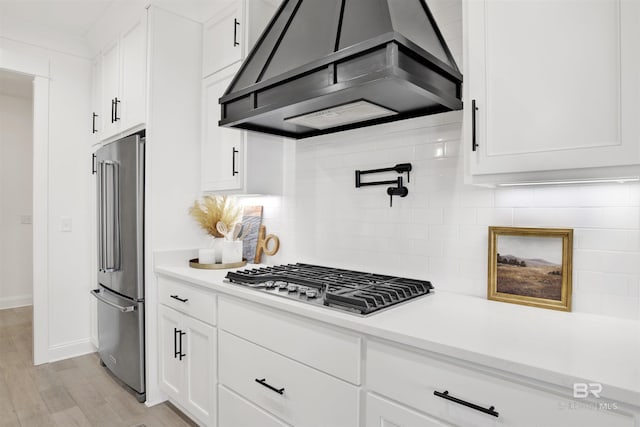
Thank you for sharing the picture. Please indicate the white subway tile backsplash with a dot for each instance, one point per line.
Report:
(499, 217)
(439, 231)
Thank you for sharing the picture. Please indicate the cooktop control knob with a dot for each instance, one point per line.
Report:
(311, 293)
(282, 285)
(292, 288)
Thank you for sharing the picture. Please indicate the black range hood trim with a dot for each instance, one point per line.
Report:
(339, 56)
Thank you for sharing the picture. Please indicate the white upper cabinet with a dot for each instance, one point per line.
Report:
(96, 107)
(222, 36)
(235, 161)
(222, 148)
(556, 89)
(233, 31)
(124, 76)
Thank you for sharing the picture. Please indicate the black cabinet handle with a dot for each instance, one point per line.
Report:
(263, 382)
(445, 395)
(93, 164)
(175, 343)
(115, 113)
(93, 124)
(179, 299)
(474, 141)
(181, 335)
(236, 24)
(234, 172)
(113, 107)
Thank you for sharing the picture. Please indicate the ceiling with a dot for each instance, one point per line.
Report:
(14, 84)
(71, 17)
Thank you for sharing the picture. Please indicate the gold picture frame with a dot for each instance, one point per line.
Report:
(534, 267)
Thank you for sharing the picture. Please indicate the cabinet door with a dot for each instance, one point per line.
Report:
(133, 46)
(110, 89)
(200, 364)
(384, 413)
(222, 148)
(222, 39)
(555, 83)
(171, 367)
(96, 100)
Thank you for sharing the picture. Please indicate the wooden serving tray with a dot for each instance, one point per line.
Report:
(193, 263)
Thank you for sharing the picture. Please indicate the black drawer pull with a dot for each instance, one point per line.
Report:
(445, 395)
(179, 299)
(270, 387)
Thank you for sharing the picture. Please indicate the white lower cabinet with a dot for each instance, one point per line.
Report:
(293, 392)
(466, 396)
(238, 412)
(188, 353)
(385, 413)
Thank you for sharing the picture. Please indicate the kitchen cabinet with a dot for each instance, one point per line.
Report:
(236, 411)
(276, 366)
(285, 387)
(233, 31)
(188, 352)
(124, 76)
(551, 90)
(430, 385)
(96, 94)
(382, 412)
(234, 160)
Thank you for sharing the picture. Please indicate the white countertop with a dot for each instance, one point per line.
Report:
(551, 346)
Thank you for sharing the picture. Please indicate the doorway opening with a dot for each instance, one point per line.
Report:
(16, 210)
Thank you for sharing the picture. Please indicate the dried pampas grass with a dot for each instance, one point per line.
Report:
(213, 209)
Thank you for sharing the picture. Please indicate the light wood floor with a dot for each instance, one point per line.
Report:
(72, 392)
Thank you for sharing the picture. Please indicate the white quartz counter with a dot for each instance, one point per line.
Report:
(555, 347)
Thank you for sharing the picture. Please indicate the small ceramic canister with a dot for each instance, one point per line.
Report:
(231, 251)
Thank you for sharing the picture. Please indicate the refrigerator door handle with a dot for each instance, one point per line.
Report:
(101, 217)
(112, 261)
(96, 293)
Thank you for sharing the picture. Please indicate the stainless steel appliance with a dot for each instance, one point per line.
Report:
(119, 167)
(351, 291)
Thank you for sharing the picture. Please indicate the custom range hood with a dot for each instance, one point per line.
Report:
(324, 66)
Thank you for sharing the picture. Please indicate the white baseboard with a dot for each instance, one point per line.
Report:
(16, 301)
(71, 349)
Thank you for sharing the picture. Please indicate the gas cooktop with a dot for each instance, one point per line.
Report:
(351, 291)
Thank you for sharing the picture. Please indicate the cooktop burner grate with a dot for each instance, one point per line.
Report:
(353, 291)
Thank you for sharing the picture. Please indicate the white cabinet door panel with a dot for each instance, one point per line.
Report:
(555, 83)
(201, 362)
(384, 413)
(236, 411)
(222, 39)
(134, 74)
(171, 376)
(222, 148)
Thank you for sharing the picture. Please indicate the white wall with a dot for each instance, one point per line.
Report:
(69, 179)
(16, 185)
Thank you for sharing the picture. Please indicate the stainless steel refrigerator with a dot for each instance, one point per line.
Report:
(119, 168)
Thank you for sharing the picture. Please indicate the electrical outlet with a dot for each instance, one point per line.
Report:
(65, 224)
(26, 219)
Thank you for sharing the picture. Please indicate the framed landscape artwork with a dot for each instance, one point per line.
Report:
(531, 266)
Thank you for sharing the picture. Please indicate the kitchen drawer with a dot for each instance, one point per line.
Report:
(411, 378)
(236, 411)
(298, 394)
(187, 299)
(384, 413)
(322, 347)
